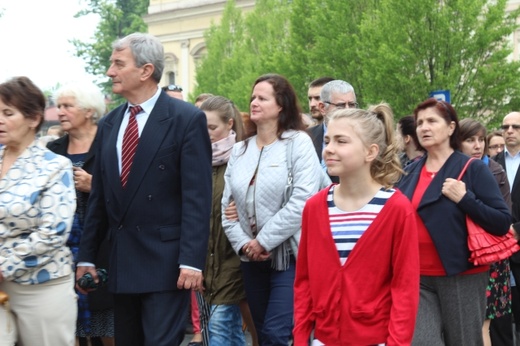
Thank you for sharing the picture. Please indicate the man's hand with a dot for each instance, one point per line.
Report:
(80, 271)
(190, 279)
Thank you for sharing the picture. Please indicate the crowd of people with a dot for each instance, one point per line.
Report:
(340, 227)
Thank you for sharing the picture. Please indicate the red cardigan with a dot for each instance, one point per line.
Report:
(374, 297)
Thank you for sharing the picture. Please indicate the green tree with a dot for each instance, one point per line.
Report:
(408, 48)
(118, 18)
(396, 51)
(241, 48)
(323, 41)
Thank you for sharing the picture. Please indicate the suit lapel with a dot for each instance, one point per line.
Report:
(111, 161)
(501, 159)
(152, 136)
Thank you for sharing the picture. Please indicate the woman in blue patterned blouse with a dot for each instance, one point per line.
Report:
(37, 204)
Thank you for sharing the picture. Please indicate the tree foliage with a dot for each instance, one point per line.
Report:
(241, 48)
(396, 51)
(118, 18)
(459, 45)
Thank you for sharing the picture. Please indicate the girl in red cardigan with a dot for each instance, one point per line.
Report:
(357, 273)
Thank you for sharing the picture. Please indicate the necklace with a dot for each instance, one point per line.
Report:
(431, 174)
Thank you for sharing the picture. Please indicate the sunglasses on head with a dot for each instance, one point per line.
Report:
(172, 87)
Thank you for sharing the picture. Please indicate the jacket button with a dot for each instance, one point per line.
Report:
(120, 227)
(162, 167)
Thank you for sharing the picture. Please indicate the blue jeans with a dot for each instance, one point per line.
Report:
(270, 297)
(225, 326)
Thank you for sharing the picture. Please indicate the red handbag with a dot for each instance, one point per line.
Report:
(486, 248)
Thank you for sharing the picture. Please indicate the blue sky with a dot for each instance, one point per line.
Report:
(34, 38)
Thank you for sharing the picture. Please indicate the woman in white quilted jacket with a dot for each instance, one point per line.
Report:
(269, 178)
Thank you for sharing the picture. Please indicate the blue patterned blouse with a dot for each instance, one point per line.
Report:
(37, 204)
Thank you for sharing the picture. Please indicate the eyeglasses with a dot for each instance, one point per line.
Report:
(506, 127)
(496, 146)
(172, 87)
(342, 105)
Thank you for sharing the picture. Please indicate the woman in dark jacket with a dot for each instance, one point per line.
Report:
(498, 291)
(451, 286)
(80, 106)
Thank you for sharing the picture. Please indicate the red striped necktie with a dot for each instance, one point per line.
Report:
(130, 141)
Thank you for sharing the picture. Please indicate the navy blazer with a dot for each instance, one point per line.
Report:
(317, 133)
(515, 199)
(161, 219)
(515, 189)
(445, 220)
(99, 299)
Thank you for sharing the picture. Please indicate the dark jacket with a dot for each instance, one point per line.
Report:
(515, 199)
(160, 220)
(99, 299)
(515, 190)
(223, 281)
(501, 178)
(317, 133)
(445, 220)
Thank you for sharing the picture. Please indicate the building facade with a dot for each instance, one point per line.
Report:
(180, 25)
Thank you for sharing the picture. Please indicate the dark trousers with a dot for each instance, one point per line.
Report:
(270, 297)
(151, 319)
(501, 331)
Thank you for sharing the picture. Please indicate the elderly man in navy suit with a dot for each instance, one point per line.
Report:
(151, 195)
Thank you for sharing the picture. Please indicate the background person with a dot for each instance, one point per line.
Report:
(223, 282)
(498, 291)
(56, 131)
(266, 234)
(411, 149)
(37, 208)
(366, 290)
(509, 159)
(80, 106)
(174, 91)
(314, 97)
(336, 94)
(496, 143)
(155, 208)
(201, 98)
(452, 301)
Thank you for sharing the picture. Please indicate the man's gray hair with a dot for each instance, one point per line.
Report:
(146, 49)
(335, 87)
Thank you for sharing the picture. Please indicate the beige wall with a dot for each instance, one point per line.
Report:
(515, 37)
(180, 25)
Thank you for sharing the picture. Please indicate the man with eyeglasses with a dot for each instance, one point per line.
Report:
(335, 94)
(174, 91)
(510, 161)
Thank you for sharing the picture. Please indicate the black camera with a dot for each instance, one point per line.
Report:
(87, 281)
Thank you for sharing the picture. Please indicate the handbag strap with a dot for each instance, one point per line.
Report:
(289, 161)
(465, 168)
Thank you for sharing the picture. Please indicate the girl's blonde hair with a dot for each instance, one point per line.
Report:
(376, 126)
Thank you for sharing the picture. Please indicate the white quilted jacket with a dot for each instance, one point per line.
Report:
(275, 224)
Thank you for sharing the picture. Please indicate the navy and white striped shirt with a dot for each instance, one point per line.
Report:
(348, 227)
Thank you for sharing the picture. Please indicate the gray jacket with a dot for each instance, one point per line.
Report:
(275, 224)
